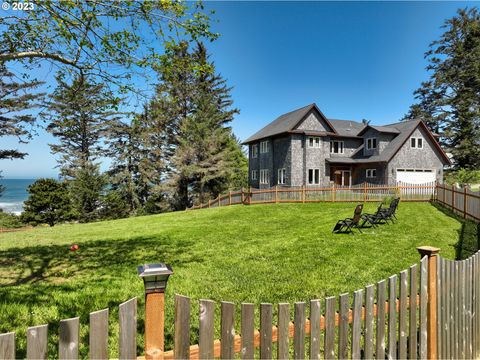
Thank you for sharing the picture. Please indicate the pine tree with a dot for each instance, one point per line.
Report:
(48, 202)
(80, 116)
(449, 102)
(208, 159)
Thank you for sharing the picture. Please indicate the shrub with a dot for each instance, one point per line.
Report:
(10, 221)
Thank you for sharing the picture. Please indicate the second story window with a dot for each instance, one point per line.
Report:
(264, 176)
(254, 151)
(313, 142)
(371, 143)
(336, 147)
(416, 143)
(264, 147)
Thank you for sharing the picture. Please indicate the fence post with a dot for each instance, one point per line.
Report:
(464, 202)
(155, 277)
(209, 203)
(365, 191)
(432, 253)
(230, 197)
(249, 195)
(276, 193)
(334, 193)
(243, 196)
(303, 193)
(453, 198)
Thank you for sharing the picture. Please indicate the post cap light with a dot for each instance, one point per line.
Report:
(155, 276)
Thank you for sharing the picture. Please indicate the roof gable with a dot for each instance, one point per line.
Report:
(289, 122)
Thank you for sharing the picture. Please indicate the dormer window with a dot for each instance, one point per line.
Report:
(313, 142)
(336, 147)
(254, 151)
(371, 143)
(416, 143)
(264, 147)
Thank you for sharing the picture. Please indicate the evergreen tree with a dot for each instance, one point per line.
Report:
(208, 159)
(449, 102)
(86, 191)
(79, 116)
(15, 98)
(48, 202)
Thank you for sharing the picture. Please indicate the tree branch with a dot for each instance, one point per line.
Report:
(37, 54)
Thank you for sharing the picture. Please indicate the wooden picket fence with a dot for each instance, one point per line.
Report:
(391, 319)
(357, 193)
(461, 201)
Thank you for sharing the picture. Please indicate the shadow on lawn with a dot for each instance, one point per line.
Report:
(468, 235)
(56, 263)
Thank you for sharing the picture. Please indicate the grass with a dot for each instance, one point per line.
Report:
(263, 253)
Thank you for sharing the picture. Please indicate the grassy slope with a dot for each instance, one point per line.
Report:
(263, 253)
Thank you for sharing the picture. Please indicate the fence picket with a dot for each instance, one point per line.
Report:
(423, 307)
(98, 337)
(315, 332)
(357, 323)
(392, 317)
(330, 327)
(462, 310)
(412, 333)
(299, 333)
(7, 346)
(283, 331)
(381, 297)
(69, 330)
(37, 341)
(127, 312)
(369, 300)
(343, 326)
(227, 330)
(402, 316)
(248, 331)
(181, 348)
(206, 329)
(266, 315)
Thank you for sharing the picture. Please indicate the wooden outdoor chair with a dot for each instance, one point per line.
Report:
(348, 224)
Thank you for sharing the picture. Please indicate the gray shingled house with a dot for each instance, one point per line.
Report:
(304, 148)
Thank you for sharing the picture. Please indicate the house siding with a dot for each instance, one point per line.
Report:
(282, 159)
(297, 160)
(314, 123)
(426, 158)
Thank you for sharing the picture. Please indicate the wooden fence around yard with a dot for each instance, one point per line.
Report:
(358, 193)
(428, 311)
(464, 201)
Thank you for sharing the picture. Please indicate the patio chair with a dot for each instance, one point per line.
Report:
(389, 213)
(374, 219)
(348, 224)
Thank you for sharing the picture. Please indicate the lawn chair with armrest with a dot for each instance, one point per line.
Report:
(374, 219)
(389, 213)
(348, 224)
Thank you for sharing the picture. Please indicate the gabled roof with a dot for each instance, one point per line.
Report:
(288, 122)
(389, 129)
(405, 130)
(347, 128)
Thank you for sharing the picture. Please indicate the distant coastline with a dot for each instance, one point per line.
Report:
(11, 200)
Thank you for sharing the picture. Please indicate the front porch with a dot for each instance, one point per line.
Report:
(354, 174)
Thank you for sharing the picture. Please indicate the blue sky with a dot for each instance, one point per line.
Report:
(355, 60)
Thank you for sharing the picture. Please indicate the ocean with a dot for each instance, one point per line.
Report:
(11, 200)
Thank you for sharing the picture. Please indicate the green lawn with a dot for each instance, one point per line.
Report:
(263, 253)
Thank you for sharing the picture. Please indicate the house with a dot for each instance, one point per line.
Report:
(304, 148)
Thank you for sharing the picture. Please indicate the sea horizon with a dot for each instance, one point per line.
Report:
(12, 199)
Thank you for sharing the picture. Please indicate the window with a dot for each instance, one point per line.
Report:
(254, 174)
(282, 175)
(263, 147)
(336, 147)
(416, 143)
(254, 151)
(371, 143)
(314, 142)
(264, 176)
(371, 173)
(313, 176)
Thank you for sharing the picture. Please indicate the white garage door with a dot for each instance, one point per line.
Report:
(415, 176)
